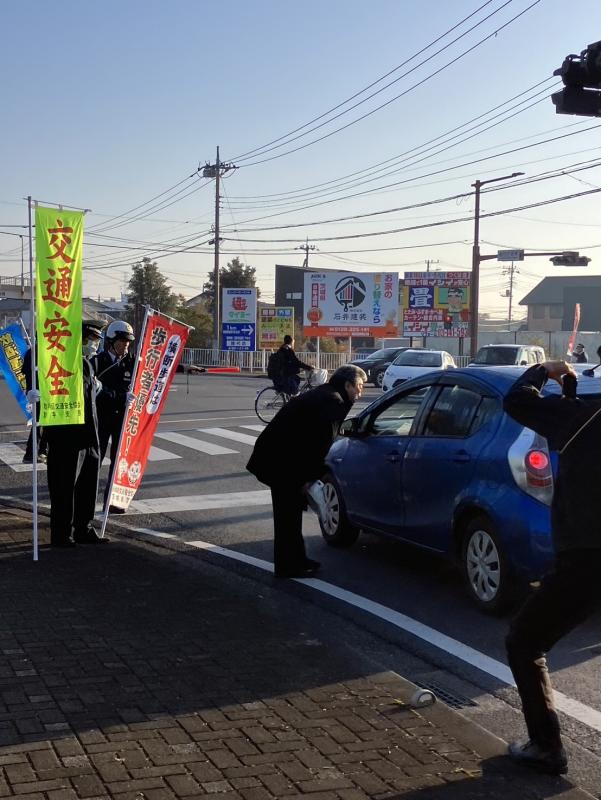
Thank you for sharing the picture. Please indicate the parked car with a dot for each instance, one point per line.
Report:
(375, 364)
(508, 355)
(438, 464)
(412, 363)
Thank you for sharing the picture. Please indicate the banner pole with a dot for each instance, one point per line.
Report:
(34, 420)
(105, 515)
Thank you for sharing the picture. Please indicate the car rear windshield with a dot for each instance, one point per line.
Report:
(501, 356)
(418, 360)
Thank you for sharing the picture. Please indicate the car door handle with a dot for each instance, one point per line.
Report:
(462, 456)
(393, 458)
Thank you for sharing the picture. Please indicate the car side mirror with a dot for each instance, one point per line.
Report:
(350, 427)
(523, 363)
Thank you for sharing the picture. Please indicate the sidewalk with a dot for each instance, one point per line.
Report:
(134, 672)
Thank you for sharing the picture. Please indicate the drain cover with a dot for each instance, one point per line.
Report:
(450, 698)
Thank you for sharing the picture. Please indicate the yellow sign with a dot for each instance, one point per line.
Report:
(58, 244)
(274, 324)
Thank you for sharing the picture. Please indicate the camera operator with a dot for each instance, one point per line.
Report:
(569, 594)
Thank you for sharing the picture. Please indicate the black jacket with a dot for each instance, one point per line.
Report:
(292, 448)
(115, 377)
(574, 512)
(291, 365)
(81, 436)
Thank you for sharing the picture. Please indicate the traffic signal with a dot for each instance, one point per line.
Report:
(581, 76)
(570, 260)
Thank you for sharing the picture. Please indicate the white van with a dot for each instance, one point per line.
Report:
(508, 355)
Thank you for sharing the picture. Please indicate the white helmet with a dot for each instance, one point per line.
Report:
(119, 329)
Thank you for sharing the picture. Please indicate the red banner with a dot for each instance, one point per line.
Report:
(574, 334)
(160, 353)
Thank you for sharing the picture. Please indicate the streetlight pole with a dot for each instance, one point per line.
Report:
(476, 259)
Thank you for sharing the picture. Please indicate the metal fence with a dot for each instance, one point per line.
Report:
(256, 361)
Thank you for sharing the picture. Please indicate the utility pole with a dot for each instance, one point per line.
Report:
(216, 170)
(509, 292)
(476, 259)
(430, 261)
(306, 247)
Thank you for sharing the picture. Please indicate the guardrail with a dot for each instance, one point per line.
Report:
(256, 361)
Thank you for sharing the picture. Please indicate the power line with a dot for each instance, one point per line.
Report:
(397, 97)
(263, 148)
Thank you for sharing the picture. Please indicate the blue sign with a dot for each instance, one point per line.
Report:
(13, 347)
(421, 297)
(238, 336)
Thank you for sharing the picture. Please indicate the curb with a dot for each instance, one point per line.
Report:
(465, 731)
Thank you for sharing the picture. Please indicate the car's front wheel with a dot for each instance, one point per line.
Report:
(335, 526)
(378, 378)
(485, 567)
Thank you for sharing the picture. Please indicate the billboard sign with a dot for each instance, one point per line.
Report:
(436, 304)
(351, 304)
(239, 336)
(275, 323)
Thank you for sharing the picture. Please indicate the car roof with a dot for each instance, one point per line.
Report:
(505, 344)
(423, 350)
(502, 378)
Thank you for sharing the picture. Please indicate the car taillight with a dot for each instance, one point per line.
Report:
(531, 466)
(538, 469)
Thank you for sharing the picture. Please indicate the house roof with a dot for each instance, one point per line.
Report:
(550, 290)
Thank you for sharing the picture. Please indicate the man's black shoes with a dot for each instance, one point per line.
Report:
(89, 536)
(530, 754)
(306, 570)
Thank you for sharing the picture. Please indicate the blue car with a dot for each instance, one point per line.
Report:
(438, 464)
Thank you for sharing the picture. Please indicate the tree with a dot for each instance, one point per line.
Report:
(148, 287)
(235, 275)
(199, 317)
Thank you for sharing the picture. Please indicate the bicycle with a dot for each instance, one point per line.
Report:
(269, 400)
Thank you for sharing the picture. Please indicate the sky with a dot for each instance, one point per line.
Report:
(114, 106)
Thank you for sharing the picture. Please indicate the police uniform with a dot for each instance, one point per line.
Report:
(73, 468)
(115, 375)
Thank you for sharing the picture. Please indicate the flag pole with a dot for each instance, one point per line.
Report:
(34, 420)
(132, 384)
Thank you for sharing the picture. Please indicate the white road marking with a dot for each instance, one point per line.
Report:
(12, 455)
(226, 433)
(253, 427)
(573, 708)
(195, 444)
(200, 502)
(157, 454)
(203, 419)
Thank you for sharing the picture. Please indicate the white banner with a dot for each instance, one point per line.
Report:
(351, 304)
(239, 305)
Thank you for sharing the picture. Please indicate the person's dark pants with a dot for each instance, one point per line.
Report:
(109, 427)
(567, 596)
(288, 545)
(73, 485)
(42, 443)
(291, 384)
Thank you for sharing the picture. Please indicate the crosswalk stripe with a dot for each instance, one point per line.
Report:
(195, 444)
(157, 454)
(200, 502)
(12, 455)
(226, 433)
(254, 427)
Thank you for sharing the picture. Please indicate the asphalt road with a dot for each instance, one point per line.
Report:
(197, 488)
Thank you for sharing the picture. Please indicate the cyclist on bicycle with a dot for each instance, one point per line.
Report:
(288, 380)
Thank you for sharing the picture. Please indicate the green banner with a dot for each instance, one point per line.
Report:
(58, 285)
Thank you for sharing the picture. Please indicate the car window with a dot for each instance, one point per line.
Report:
(532, 357)
(486, 411)
(397, 418)
(413, 358)
(453, 412)
(501, 356)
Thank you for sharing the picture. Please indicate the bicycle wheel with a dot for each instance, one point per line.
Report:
(268, 403)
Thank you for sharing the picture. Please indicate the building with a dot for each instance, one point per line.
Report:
(551, 303)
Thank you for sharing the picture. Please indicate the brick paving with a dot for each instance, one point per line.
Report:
(138, 673)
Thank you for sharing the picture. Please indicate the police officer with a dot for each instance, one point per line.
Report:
(113, 367)
(74, 463)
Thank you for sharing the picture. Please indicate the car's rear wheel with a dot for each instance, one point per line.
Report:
(378, 378)
(485, 567)
(335, 526)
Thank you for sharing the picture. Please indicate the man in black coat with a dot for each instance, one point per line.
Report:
(570, 593)
(74, 462)
(113, 367)
(290, 453)
(290, 365)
